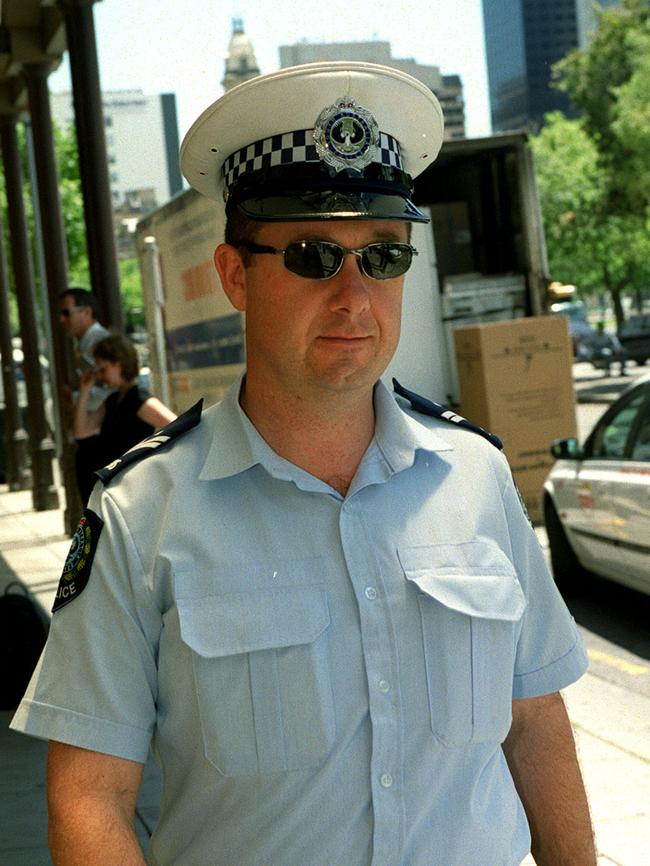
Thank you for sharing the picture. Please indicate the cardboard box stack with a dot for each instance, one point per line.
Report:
(515, 380)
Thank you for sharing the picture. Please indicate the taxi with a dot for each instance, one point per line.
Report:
(596, 498)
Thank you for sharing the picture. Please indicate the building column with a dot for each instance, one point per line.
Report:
(93, 161)
(55, 255)
(41, 445)
(17, 474)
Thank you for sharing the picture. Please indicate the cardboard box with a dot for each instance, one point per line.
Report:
(515, 379)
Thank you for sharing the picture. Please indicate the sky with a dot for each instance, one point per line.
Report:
(180, 46)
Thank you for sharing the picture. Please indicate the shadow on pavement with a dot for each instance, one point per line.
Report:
(616, 613)
(603, 392)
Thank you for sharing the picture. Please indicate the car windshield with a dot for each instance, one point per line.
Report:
(610, 438)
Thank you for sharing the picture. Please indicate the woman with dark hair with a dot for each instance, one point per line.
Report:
(128, 415)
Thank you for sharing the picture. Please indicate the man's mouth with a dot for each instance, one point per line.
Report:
(346, 338)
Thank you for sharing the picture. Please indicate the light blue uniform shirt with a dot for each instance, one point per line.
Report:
(326, 680)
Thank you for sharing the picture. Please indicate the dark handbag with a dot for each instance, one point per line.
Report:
(23, 632)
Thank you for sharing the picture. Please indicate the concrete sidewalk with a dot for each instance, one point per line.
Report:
(614, 744)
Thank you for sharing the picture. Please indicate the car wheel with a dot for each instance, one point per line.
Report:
(570, 576)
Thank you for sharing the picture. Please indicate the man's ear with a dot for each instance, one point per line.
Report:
(231, 270)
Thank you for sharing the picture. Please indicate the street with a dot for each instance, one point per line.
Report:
(610, 712)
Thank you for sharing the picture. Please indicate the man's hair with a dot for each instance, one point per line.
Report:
(239, 227)
(118, 349)
(82, 298)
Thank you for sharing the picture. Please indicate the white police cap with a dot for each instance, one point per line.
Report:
(336, 140)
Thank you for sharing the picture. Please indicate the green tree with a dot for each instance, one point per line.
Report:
(72, 210)
(67, 160)
(631, 126)
(132, 299)
(609, 81)
(589, 244)
(75, 231)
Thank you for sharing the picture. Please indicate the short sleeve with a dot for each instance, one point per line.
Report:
(550, 654)
(95, 684)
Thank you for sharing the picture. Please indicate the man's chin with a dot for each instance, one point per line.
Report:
(346, 378)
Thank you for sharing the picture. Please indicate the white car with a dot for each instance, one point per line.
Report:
(597, 498)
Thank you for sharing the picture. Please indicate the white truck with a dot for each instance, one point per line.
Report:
(482, 258)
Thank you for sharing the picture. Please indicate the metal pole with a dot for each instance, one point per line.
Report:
(93, 161)
(153, 264)
(55, 253)
(40, 259)
(17, 474)
(41, 445)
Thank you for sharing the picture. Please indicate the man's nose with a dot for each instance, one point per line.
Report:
(351, 288)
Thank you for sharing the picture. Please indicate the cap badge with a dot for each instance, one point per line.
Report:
(346, 135)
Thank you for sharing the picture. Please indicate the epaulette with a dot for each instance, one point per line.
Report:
(152, 443)
(436, 410)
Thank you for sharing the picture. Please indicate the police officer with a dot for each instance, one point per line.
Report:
(322, 605)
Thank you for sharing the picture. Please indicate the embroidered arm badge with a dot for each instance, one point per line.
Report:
(76, 570)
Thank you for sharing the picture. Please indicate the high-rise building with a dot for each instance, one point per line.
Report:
(141, 144)
(448, 88)
(240, 60)
(523, 39)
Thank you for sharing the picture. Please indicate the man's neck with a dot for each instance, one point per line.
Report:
(85, 333)
(326, 438)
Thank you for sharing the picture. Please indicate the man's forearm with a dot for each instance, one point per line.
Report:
(541, 755)
(91, 804)
(98, 835)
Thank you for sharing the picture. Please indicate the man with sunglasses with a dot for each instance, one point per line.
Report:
(324, 608)
(78, 320)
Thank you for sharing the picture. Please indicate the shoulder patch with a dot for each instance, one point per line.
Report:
(157, 440)
(437, 410)
(522, 503)
(76, 570)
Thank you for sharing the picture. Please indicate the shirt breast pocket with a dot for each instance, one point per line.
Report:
(262, 679)
(470, 606)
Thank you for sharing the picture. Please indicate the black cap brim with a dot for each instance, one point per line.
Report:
(330, 205)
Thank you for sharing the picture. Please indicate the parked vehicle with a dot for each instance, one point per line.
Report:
(576, 313)
(597, 498)
(634, 335)
(602, 349)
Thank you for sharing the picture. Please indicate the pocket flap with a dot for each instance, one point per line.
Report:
(475, 578)
(235, 623)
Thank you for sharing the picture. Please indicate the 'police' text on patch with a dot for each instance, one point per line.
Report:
(76, 570)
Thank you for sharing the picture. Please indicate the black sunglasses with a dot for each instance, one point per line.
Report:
(68, 311)
(320, 260)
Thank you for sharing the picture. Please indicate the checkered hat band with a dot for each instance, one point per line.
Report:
(293, 147)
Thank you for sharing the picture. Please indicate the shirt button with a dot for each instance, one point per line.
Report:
(384, 686)
(386, 780)
(371, 593)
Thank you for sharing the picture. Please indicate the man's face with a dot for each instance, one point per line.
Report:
(312, 335)
(75, 320)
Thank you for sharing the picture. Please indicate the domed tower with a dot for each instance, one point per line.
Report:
(240, 61)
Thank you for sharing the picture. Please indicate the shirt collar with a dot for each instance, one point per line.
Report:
(398, 435)
(237, 446)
